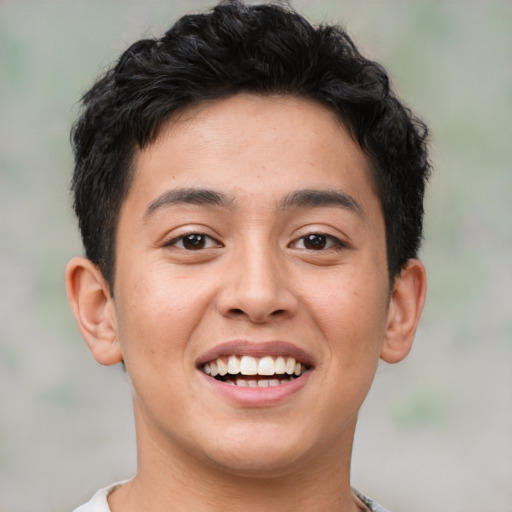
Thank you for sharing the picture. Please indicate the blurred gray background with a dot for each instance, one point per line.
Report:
(436, 431)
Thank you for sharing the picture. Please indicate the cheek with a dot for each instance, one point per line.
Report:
(157, 315)
(351, 311)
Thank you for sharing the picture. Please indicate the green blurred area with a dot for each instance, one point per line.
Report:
(451, 62)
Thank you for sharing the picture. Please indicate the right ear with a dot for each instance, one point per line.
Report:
(94, 310)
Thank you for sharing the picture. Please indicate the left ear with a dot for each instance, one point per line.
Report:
(405, 307)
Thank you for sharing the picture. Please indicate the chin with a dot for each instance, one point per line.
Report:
(257, 465)
(260, 454)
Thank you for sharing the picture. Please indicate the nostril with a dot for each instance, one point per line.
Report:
(277, 312)
(241, 312)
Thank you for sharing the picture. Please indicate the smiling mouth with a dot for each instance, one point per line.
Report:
(248, 371)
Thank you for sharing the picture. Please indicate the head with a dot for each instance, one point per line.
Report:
(264, 50)
(248, 189)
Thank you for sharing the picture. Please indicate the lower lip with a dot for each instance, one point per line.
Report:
(257, 397)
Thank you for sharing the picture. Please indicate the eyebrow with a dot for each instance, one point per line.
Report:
(306, 198)
(312, 198)
(196, 196)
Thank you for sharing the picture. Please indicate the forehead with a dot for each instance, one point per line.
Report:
(262, 147)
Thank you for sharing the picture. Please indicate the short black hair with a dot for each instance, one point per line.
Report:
(261, 49)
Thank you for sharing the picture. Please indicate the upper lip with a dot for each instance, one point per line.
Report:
(256, 349)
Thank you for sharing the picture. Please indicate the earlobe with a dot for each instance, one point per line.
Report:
(93, 307)
(406, 305)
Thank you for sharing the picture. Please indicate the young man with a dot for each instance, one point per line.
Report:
(249, 193)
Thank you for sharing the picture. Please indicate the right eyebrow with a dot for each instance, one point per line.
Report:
(197, 196)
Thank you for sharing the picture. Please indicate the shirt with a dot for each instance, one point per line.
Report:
(98, 503)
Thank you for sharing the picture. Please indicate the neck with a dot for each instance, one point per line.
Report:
(170, 478)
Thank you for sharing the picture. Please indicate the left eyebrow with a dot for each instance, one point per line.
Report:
(312, 198)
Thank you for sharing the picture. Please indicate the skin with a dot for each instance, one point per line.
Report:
(256, 279)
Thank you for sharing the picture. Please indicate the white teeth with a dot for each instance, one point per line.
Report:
(266, 366)
(261, 383)
(248, 366)
(233, 365)
(290, 365)
(222, 367)
(280, 366)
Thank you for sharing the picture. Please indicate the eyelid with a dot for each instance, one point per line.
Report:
(333, 242)
(173, 241)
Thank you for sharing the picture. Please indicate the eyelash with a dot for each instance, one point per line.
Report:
(327, 242)
(181, 238)
(330, 242)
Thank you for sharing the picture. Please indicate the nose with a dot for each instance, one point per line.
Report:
(256, 287)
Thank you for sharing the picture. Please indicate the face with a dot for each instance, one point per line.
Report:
(251, 242)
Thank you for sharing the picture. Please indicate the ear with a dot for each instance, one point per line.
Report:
(94, 310)
(405, 307)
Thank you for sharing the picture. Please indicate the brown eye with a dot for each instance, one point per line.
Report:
(318, 242)
(193, 242)
(315, 242)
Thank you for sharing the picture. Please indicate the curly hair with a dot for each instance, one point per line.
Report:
(262, 49)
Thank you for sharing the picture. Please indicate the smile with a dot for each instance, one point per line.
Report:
(249, 371)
